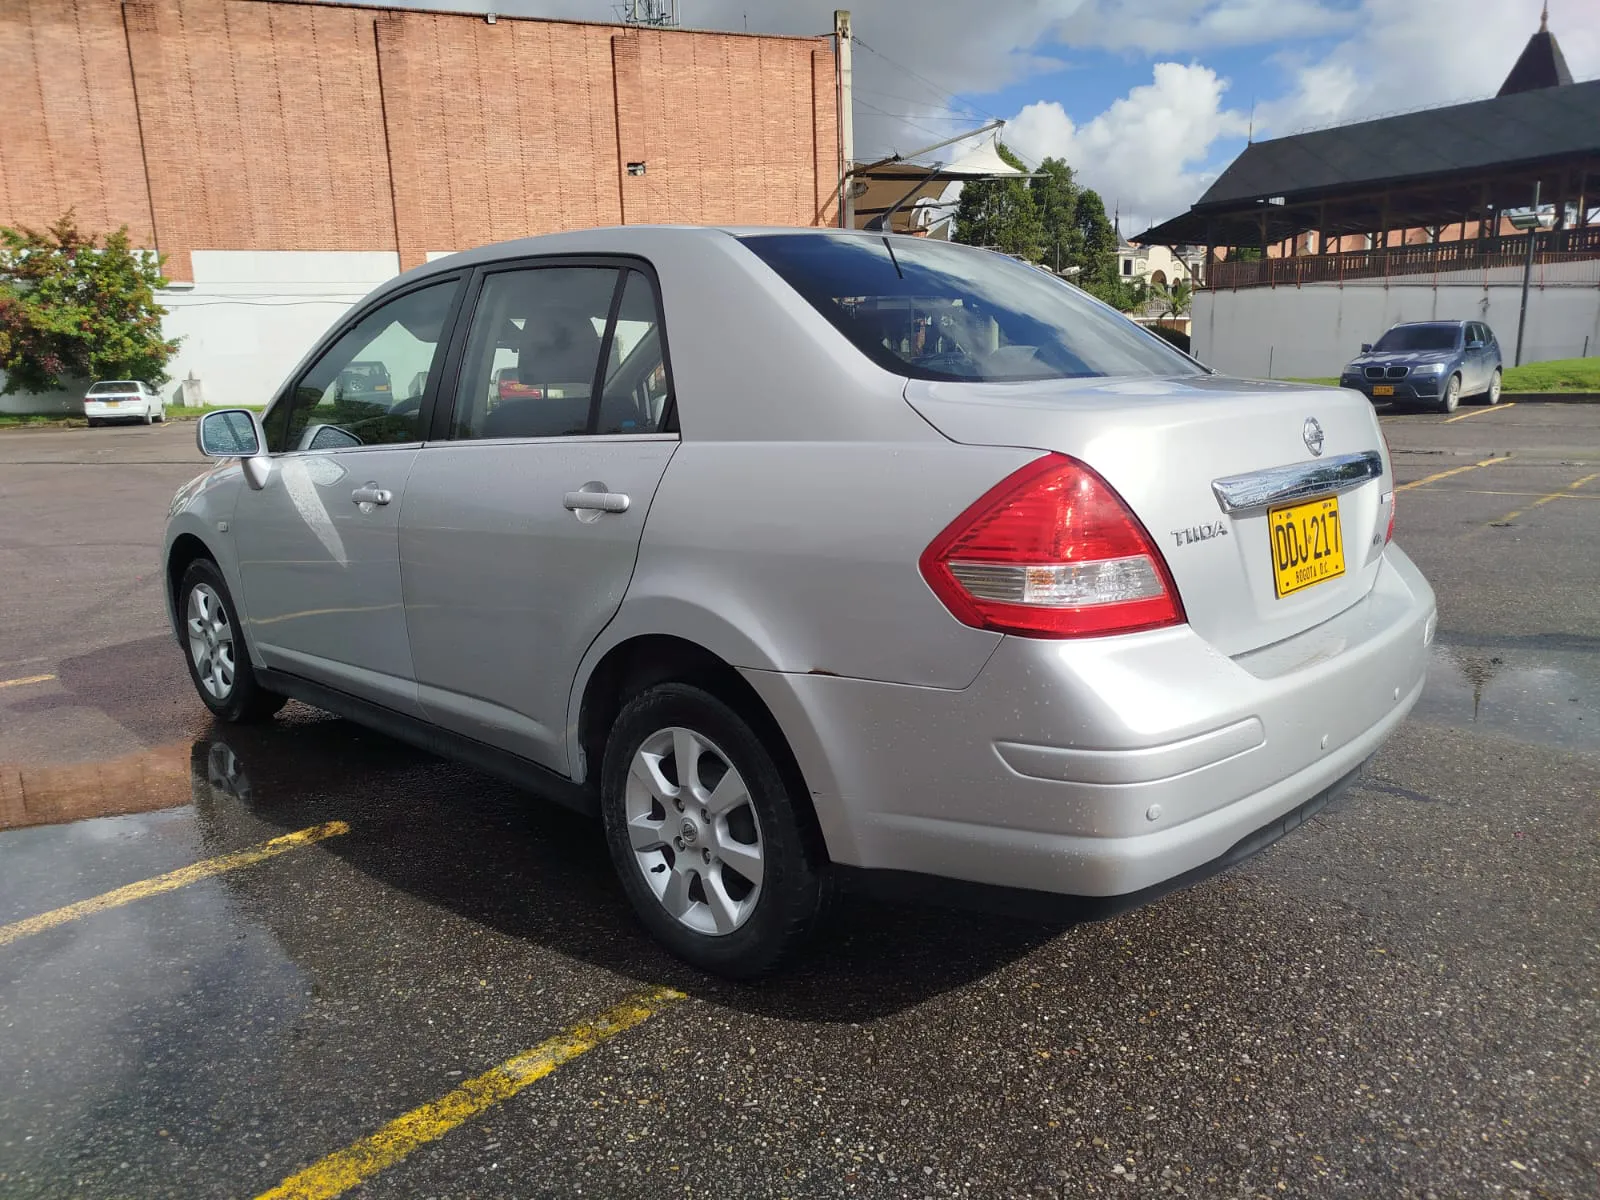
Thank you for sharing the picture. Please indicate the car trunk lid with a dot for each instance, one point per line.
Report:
(1164, 443)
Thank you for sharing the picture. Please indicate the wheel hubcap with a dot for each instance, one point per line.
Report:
(210, 641)
(694, 832)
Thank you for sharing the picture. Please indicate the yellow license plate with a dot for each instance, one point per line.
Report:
(1307, 544)
(111, 403)
(1383, 389)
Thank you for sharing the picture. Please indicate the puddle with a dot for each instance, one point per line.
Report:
(1548, 696)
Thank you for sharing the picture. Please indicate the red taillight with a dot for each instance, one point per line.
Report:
(1051, 552)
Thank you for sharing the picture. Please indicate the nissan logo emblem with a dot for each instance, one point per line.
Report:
(1313, 435)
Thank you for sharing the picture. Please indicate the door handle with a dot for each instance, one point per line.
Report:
(371, 494)
(611, 502)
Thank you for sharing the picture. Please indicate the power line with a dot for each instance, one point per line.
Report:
(926, 82)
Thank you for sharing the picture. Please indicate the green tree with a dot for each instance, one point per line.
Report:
(1056, 196)
(74, 306)
(1100, 274)
(1174, 299)
(1001, 214)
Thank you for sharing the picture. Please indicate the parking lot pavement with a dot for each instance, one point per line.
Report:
(443, 993)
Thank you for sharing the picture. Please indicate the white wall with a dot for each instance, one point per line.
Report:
(1313, 331)
(250, 316)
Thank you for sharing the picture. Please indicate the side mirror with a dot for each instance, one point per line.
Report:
(1475, 344)
(1366, 347)
(236, 433)
(229, 433)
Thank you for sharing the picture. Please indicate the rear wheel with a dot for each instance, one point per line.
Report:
(219, 664)
(1492, 396)
(704, 834)
(149, 416)
(1452, 395)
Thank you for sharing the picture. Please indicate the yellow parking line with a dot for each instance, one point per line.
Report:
(1478, 412)
(1556, 495)
(171, 880)
(361, 1160)
(26, 679)
(1416, 483)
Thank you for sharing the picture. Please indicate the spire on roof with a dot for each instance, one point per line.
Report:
(1541, 64)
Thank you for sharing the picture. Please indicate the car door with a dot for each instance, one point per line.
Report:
(521, 522)
(317, 544)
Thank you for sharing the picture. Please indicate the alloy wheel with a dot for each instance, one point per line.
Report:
(210, 641)
(694, 832)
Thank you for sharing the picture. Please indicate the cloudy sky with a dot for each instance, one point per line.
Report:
(1147, 99)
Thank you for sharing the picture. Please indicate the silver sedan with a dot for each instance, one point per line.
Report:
(803, 557)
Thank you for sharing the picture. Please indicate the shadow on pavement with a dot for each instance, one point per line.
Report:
(470, 845)
(143, 686)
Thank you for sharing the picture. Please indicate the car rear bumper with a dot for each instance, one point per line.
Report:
(127, 409)
(1105, 766)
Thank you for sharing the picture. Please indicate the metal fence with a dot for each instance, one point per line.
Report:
(1563, 257)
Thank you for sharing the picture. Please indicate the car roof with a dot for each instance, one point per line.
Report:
(1419, 324)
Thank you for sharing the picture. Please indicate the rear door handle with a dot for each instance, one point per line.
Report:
(611, 502)
(371, 494)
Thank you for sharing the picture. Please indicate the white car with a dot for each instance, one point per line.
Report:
(123, 400)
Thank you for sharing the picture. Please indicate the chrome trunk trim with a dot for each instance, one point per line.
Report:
(1300, 481)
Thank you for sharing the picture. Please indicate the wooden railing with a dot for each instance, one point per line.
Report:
(1554, 246)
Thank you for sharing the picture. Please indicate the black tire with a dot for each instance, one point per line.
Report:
(149, 417)
(1451, 400)
(1496, 386)
(794, 882)
(246, 700)
(93, 423)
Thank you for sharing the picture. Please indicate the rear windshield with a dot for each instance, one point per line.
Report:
(931, 310)
(109, 386)
(1420, 337)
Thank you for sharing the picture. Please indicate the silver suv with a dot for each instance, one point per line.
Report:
(801, 556)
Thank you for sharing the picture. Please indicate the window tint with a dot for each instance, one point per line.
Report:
(113, 387)
(636, 391)
(932, 310)
(1419, 337)
(534, 351)
(366, 389)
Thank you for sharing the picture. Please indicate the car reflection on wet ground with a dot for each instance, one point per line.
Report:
(306, 931)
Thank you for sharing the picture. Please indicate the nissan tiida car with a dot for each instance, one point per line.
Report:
(818, 557)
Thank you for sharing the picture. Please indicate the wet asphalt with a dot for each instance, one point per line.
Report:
(1400, 999)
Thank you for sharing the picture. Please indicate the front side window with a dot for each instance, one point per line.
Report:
(932, 310)
(367, 388)
(1419, 337)
(563, 352)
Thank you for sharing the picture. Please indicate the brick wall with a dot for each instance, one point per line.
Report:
(284, 126)
(69, 133)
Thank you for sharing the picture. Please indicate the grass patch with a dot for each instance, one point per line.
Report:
(1563, 375)
(175, 412)
(39, 421)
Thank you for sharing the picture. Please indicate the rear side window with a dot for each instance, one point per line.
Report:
(558, 351)
(932, 310)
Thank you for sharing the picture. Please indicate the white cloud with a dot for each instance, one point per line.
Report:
(1142, 153)
(1185, 26)
(1407, 54)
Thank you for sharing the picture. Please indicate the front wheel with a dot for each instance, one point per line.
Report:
(1452, 395)
(1492, 396)
(219, 664)
(704, 833)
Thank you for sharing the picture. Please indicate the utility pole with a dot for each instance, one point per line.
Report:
(1527, 272)
(847, 121)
